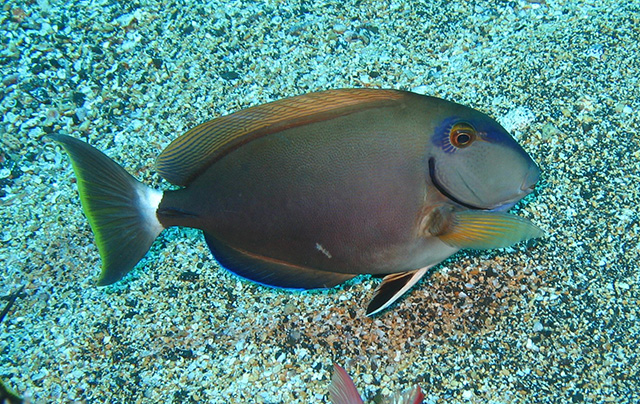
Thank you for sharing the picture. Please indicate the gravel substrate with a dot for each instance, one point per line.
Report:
(549, 321)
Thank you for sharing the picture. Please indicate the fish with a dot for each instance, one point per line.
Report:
(11, 299)
(310, 191)
(7, 395)
(343, 391)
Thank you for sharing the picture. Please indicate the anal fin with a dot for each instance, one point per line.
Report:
(272, 272)
(392, 288)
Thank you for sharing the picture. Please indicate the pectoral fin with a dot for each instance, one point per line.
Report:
(486, 230)
(392, 287)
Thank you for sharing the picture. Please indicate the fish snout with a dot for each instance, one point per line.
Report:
(530, 180)
(526, 187)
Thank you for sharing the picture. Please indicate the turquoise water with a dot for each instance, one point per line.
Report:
(550, 321)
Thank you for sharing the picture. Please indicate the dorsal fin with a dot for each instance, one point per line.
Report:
(190, 154)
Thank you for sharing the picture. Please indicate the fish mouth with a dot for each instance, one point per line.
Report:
(507, 205)
(443, 190)
(528, 186)
(530, 181)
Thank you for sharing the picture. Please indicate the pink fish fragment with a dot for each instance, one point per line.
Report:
(343, 391)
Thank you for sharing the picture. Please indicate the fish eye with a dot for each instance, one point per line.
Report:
(462, 135)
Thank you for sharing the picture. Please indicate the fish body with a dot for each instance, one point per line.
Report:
(310, 191)
(340, 195)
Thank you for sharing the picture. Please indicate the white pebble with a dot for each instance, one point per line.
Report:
(45, 28)
(530, 345)
(82, 113)
(136, 124)
(10, 117)
(125, 19)
(537, 326)
(339, 28)
(41, 374)
(517, 118)
(421, 89)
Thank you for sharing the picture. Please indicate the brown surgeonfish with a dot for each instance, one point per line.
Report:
(310, 191)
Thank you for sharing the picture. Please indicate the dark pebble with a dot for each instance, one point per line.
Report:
(188, 29)
(172, 291)
(217, 32)
(229, 75)
(55, 63)
(10, 80)
(189, 276)
(293, 337)
(371, 28)
(157, 62)
(587, 126)
(130, 314)
(78, 98)
(39, 68)
(7, 162)
(131, 302)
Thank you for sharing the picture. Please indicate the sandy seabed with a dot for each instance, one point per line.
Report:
(551, 321)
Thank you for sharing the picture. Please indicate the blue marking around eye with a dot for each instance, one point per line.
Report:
(442, 132)
(486, 130)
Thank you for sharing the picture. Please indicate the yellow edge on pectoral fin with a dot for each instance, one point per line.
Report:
(486, 230)
(188, 155)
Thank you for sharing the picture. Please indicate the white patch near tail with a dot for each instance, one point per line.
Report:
(149, 200)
